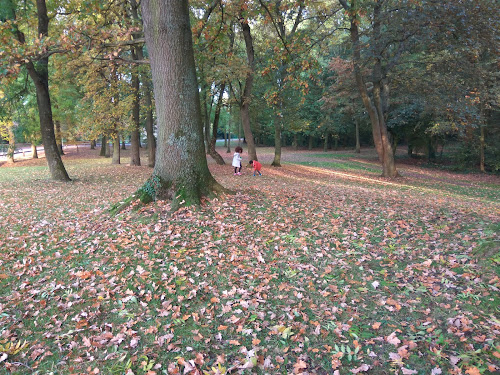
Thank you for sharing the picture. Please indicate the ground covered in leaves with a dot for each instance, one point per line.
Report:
(318, 267)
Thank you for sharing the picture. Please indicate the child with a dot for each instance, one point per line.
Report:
(256, 167)
(237, 160)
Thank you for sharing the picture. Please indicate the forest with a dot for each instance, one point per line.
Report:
(369, 244)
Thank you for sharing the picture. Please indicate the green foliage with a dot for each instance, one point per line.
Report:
(148, 192)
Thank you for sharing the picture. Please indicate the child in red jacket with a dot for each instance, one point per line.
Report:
(256, 167)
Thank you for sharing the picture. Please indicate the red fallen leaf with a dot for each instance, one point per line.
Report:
(376, 325)
(3, 276)
(299, 366)
(473, 371)
(199, 359)
(392, 339)
(222, 328)
(255, 342)
(234, 342)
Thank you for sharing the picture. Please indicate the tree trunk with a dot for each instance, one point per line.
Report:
(107, 149)
(181, 166)
(59, 138)
(358, 145)
(116, 150)
(247, 92)
(481, 149)
(206, 119)
(295, 142)
(325, 144)
(213, 141)
(310, 145)
(124, 146)
(277, 141)
(135, 156)
(375, 107)
(146, 82)
(40, 77)
(12, 143)
(92, 144)
(103, 146)
(34, 151)
(149, 125)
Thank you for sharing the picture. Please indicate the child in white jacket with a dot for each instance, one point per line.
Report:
(237, 160)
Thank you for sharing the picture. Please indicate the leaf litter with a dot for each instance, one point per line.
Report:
(297, 273)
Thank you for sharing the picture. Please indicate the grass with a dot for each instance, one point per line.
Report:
(312, 267)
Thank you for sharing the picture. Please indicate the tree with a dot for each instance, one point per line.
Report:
(376, 101)
(38, 69)
(181, 172)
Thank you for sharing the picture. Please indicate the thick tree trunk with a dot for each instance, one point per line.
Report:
(181, 168)
(116, 150)
(247, 92)
(213, 141)
(92, 144)
(103, 146)
(107, 150)
(59, 138)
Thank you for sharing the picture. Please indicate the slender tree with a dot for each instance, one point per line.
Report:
(38, 70)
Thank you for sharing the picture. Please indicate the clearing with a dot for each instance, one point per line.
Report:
(318, 267)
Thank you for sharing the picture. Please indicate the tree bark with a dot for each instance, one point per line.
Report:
(373, 107)
(146, 82)
(40, 77)
(103, 146)
(277, 141)
(181, 165)
(116, 150)
(247, 92)
(59, 138)
(481, 149)
(311, 139)
(12, 143)
(149, 125)
(107, 151)
(213, 141)
(124, 146)
(92, 144)
(358, 145)
(34, 151)
(135, 156)
(325, 144)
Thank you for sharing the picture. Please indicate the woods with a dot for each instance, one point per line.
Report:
(424, 76)
(367, 244)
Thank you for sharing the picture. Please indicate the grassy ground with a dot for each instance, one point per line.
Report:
(318, 267)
